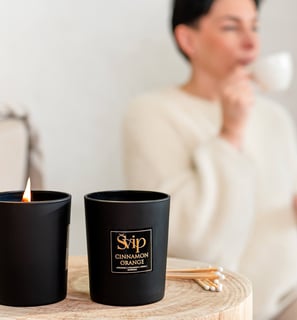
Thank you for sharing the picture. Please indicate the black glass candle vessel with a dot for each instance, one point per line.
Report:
(127, 235)
(33, 248)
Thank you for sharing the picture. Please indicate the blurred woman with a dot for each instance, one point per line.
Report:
(227, 157)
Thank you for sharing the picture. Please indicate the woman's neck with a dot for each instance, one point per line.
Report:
(202, 85)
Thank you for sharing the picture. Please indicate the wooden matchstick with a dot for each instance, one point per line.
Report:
(197, 270)
(214, 284)
(191, 276)
(202, 284)
(210, 284)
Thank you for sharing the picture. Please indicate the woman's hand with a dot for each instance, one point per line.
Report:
(237, 98)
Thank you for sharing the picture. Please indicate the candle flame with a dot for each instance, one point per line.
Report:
(27, 193)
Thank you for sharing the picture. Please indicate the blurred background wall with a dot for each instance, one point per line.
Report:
(76, 65)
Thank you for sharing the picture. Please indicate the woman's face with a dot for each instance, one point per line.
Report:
(226, 37)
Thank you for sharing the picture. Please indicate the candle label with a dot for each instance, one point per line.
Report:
(131, 251)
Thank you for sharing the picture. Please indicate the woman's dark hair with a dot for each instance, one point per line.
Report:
(189, 11)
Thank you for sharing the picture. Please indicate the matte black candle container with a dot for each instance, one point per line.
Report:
(127, 235)
(33, 248)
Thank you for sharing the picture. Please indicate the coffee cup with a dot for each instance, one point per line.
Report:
(273, 72)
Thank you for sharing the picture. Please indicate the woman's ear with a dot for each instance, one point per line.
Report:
(185, 39)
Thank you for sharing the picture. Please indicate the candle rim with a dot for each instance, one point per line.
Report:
(157, 196)
(19, 193)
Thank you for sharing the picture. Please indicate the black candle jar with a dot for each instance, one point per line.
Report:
(127, 235)
(33, 248)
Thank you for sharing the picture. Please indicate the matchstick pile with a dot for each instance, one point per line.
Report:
(209, 279)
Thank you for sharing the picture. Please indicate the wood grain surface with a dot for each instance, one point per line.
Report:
(184, 299)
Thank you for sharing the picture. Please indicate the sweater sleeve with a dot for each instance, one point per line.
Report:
(285, 125)
(211, 186)
(291, 140)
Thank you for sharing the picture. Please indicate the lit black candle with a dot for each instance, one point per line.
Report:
(33, 247)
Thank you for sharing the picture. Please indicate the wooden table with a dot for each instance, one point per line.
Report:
(184, 299)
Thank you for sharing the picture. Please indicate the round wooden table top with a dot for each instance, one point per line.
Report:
(184, 299)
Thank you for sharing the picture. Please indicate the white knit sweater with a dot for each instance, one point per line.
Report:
(228, 207)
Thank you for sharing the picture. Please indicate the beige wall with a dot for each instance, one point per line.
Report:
(278, 32)
(77, 63)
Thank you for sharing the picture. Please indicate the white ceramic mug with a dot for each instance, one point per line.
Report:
(274, 72)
